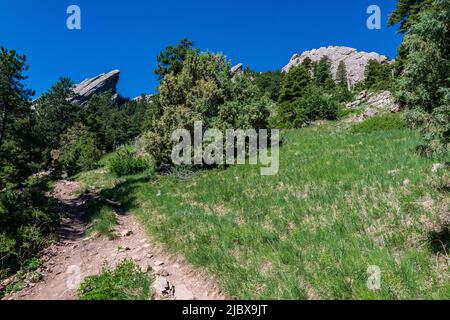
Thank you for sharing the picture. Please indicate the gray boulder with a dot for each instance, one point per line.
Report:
(355, 61)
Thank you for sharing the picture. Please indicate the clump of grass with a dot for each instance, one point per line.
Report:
(345, 112)
(33, 264)
(101, 218)
(380, 123)
(125, 282)
(127, 162)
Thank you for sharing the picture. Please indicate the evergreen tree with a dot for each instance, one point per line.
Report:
(269, 83)
(203, 90)
(79, 150)
(341, 75)
(294, 84)
(322, 74)
(171, 59)
(107, 121)
(406, 13)
(16, 119)
(425, 83)
(308, 64)
(378, 76)
(56, 112)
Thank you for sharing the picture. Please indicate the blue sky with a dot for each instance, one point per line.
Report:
(128, 35)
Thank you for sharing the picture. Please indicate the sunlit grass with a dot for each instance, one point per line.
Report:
(341, 202)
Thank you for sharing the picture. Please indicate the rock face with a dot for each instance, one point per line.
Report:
(374, 103)
(355, 61)
(97, 85)
(144, 98)
(236, 70)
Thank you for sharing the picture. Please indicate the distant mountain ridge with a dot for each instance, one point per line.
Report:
(355, 61)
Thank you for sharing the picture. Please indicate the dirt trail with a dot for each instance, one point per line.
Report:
(75, 257)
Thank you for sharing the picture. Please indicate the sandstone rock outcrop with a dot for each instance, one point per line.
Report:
(237, 70)
(97, 85)
(355, 61)
(374, 104)
(144, 98)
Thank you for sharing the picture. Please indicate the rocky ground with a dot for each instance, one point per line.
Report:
(76, 256)
(374, 103)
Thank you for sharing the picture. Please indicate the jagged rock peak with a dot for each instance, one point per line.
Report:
(96, 85)
(355, 61)
(237, 70)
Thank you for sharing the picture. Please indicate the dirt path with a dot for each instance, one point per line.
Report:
(75, 257)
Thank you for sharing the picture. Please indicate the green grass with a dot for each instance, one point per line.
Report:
(341, 202)
(383, 122)
(101, 218)
(125, 282)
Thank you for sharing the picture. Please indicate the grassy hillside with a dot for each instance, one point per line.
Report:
(341, 202)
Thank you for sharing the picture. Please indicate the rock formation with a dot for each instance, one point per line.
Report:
(237, 70)
(374, 103)
(97, 85)
(144, 98)
(355, 61)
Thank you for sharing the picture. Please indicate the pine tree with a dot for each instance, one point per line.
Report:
(294, 84)
(341, 75)
(378, 76)
(308, 64)
(56, 112)
(407, 12)
(425, 84)
(16, 118)
(107, 121)
(171, 59)
(269, 83)
(322, 75)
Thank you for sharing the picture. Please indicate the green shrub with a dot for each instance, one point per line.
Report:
(27, 218)
(384, 122)
(315, 105)
(319, 106)
(126, 282)
(79, 150)
(204, 91)
(126, 162)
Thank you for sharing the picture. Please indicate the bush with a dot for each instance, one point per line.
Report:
(79, 150)
(311, 107)
(27, 218)
(384, 122)
(204, 91)
(126, 282)
(126, 162)
(319, 106)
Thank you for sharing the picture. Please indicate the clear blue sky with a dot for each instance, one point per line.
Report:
(128, 35)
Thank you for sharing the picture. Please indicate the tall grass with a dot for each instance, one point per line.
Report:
(341, 203)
